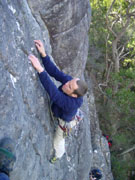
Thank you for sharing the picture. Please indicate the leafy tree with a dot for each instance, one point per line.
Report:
(112, 31)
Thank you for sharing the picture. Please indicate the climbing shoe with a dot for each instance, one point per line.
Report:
(7, 157)
(53, 160)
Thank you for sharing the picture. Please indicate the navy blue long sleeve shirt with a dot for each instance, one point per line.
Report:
(63, 106)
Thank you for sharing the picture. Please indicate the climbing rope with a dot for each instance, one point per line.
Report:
(50, 110)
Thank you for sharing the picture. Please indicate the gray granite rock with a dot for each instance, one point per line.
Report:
(68, 23)
(24, 105)
(100, 148)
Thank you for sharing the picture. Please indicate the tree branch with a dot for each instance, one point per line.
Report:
(123, 30)
(128, 150)
(107, 19)
(110, 8)
(124, 55)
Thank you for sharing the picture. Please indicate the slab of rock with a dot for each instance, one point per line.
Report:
(24, 105)
(68, 23)
(100, 148)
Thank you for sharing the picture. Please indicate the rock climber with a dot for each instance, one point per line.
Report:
(66, 100)
(95, 174)
(7, 157)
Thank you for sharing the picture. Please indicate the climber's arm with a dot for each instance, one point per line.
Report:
(62, 100)
(58, 97)
(50, 67)
(54, 71)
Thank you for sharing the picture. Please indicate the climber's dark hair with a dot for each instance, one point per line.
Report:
(82, 88)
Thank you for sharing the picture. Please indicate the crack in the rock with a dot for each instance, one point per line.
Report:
(67, 30)
(35, 149)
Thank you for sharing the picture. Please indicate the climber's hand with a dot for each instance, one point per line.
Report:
(40, 47)
(36, 64)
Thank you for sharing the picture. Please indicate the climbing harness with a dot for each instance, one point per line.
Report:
(65, 127)
(68, 126)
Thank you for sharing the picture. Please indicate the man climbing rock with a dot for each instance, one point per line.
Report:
(66, 100)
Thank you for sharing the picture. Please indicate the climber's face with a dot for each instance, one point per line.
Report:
(69, 87)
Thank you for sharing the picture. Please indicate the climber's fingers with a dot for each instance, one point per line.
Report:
(39, 45)
(35, 62)
(33, 58)
(38, 42)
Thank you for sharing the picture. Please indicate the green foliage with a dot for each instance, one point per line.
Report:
(123, 140)
(131, 45)
(120, 139)
(100, 35)
(124, 97)
(117, 115)
(109, 92)
(98, 23)
(123, 101)
(120, 167)
(130, 63)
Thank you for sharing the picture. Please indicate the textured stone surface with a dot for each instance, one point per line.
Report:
(24, 111)
(24, 107)
(68, 23)
(100, 148)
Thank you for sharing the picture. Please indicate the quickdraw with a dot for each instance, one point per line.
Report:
(66, 130)
(66, 127)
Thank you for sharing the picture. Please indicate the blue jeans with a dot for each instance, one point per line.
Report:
(3, 176)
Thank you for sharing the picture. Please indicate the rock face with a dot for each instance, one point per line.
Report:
(24, 105)
(100, 148)
(68, 23)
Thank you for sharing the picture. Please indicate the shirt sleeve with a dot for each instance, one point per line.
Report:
(62, 100)
(53, 71)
